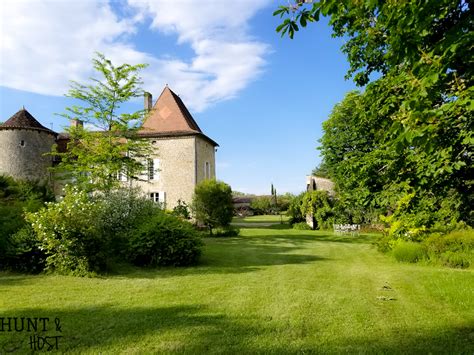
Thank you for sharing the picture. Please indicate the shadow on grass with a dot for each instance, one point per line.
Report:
(197, 329)
(231, 256)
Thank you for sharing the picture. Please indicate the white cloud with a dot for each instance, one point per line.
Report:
(46, 43)
(226, 59)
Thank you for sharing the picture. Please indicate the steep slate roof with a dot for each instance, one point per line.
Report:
(24, 119)
(170, 115)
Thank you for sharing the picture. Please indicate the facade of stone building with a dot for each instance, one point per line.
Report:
(316, 183)
(182, 154)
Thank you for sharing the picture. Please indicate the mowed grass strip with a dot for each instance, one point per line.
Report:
(266, 291)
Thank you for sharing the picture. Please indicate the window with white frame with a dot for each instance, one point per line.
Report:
(158, 197)
(122, 175)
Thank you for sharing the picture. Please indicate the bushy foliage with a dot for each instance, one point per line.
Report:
(261, 205)
(318, 205)
(229, 231)
(181, 210)
(455, 249)
(120, 212)
(164, 240)
(283, 201)
(294, 209)
(301, 226)
(24, 253)
(69, 234)
(212, 204)
(16, 198)
(410, 252)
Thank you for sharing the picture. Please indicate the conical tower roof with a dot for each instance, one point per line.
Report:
(24, 120)
(170, 115)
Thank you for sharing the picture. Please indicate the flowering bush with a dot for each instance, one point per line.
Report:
(121, 212)
(68, 232)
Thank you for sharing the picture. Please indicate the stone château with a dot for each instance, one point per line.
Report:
(182, 154)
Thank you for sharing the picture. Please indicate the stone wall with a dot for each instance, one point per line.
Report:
(176, 177)
(22, 153)
(205, 152)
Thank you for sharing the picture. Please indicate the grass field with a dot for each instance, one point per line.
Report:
(267, 291)
(261, 219)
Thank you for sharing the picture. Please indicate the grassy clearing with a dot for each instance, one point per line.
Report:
(268, 291)
(261, 219)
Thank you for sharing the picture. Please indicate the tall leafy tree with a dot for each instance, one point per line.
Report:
(415, 122)
(94, 159)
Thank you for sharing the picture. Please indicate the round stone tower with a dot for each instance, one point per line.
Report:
(23, 144)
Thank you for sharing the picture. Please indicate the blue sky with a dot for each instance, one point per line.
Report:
(261, 97)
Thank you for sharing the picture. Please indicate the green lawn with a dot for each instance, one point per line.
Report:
(268, 291)
(261, 219)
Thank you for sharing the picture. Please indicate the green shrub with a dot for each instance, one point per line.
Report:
(319, 205)
(301, 226)
(456, 259)
(212, 204)
(294, 209)
(410, 252)
(181, 210)
(229, 231)
(121, 211)
(163, 240)
(24, 253)
(16, 198)
(261, 205)
(68, 232)
(455, 249)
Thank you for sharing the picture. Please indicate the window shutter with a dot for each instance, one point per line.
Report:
(144, 172)
(156, 168)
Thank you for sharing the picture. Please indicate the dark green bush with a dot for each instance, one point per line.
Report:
(16, 198)
(164, 240)
(229, 231)
(181, 210)
(410, 252)
(301, 226)
(24, 253)
(120, 212)
(294, 209)
(212, 204)
(455, 249)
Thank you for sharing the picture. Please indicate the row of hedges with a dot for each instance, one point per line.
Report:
(455, 249)
(81, 234)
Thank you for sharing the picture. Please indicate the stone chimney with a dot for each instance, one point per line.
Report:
(77, 123)
(148, 101)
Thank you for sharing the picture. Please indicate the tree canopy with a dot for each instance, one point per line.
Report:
(94, 159)
(406, 142)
